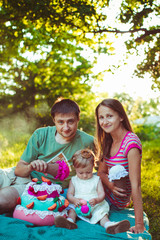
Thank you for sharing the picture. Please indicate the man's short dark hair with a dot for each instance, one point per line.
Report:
(65, 106)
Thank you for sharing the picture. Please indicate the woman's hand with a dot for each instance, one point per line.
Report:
(134, 160)
(138, 228)
(119, 192)
(103, 173)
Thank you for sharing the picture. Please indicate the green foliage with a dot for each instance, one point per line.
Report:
(139, 108)
(150, 184)
(135, 12)
(151, 63)
(147, 132)
(27, 20)
(12, 145)
(126, 101)
(87, 104)
(42, 42)
(41, 52)
(145, 29)
(61, 72)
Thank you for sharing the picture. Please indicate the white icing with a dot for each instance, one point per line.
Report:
(117, 172)
(41, 214)
(31, 198)
(43, 187)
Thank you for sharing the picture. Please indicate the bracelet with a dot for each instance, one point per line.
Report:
(63, 170)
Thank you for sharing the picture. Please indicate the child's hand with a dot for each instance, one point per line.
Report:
(77, 202)
(93, 202)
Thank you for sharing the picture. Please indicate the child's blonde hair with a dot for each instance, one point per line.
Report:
(83, 157)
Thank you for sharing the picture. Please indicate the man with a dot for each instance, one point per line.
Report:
(43, 146)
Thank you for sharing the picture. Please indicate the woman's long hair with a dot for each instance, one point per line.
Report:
(104, 139)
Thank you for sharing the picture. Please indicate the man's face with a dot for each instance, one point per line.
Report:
(66, 125)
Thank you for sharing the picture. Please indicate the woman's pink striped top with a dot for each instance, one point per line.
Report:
(130, 140)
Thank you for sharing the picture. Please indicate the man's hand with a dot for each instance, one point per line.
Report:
(39, 166)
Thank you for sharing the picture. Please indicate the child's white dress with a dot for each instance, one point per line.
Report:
(87, 189)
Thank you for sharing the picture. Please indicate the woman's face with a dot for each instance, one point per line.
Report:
(109, 120)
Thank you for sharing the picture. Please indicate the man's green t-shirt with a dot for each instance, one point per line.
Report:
(42, 145)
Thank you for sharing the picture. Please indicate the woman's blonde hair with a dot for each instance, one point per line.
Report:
(83, 157)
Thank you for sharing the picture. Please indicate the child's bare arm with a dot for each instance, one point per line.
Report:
(70, 195)
(101, 194)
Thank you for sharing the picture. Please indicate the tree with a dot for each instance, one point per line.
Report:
(139, 108)
(21, 19)
(54, 33)
(41, 52)
(29, 82)
(140, 22)
(143, 15)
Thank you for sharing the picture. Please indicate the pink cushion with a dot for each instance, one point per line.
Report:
(34, 218)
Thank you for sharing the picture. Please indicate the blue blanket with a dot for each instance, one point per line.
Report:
(15, 229)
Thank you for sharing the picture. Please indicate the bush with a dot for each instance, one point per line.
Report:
(147, 132)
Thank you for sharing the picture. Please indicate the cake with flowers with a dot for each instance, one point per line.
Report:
(41, 202)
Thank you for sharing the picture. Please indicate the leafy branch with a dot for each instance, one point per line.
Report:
(116, 31)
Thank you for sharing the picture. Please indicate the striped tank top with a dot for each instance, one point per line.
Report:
(130, 141)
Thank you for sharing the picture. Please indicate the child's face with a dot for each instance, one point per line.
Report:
(85, 173)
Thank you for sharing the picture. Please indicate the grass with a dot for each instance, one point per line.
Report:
(12, 145)
(151, 185)
(11, 148)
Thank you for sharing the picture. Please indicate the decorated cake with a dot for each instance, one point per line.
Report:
(41, 202)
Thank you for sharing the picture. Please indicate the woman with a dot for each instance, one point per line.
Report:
(119, 146)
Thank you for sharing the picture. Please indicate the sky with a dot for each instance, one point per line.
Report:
(122, 80)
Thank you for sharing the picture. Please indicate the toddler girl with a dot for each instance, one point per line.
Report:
(88, 186)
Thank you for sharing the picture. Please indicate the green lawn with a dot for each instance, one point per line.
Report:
(13, 144)
(151, 185)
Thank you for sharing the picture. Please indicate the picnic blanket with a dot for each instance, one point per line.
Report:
(15, 229)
